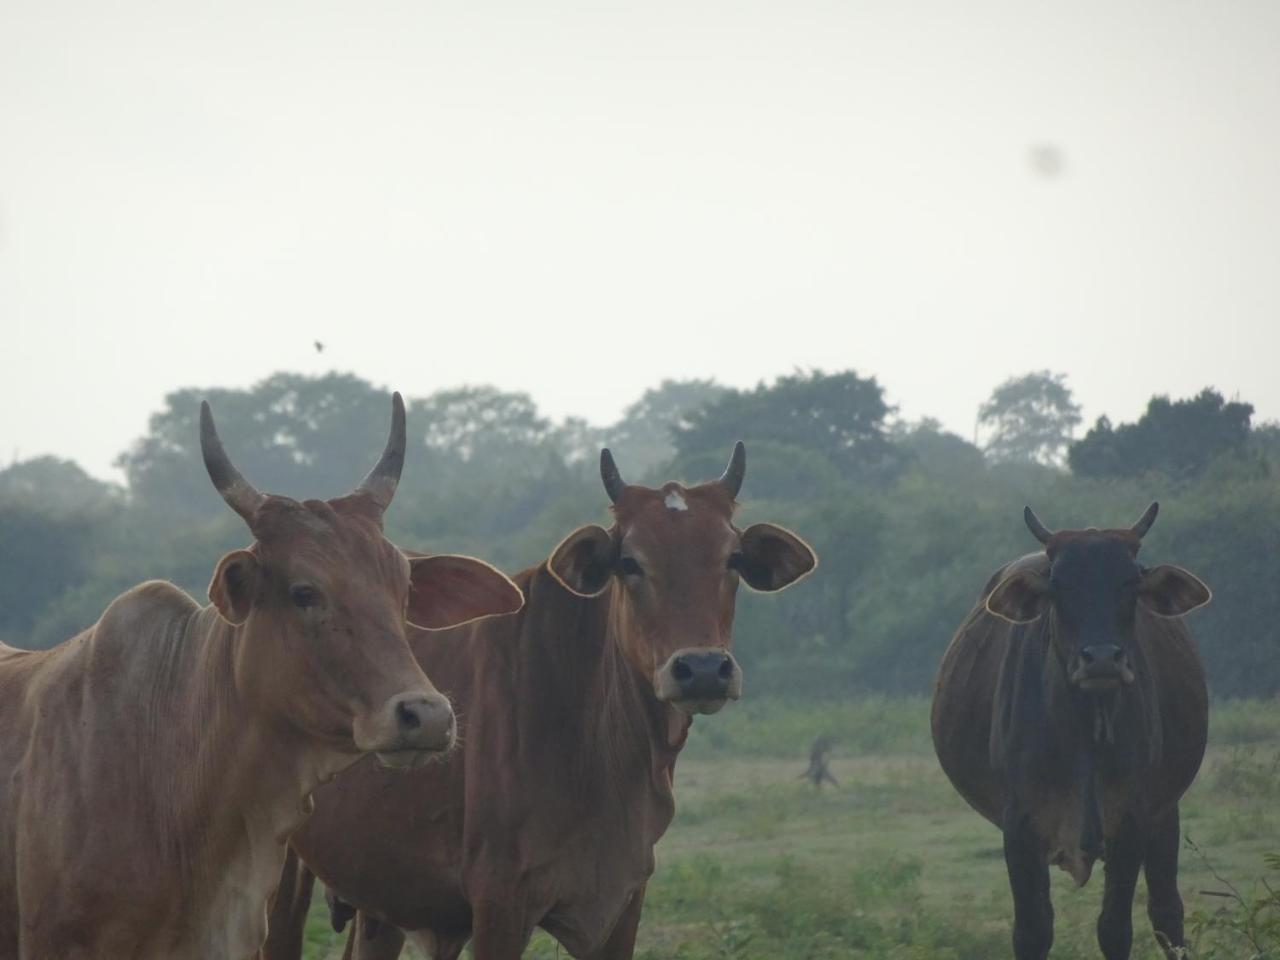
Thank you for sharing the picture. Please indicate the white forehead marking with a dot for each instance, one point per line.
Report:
(675, 502)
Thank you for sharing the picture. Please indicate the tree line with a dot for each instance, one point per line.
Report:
(909, 520)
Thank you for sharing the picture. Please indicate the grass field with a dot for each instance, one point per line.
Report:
(893, 864)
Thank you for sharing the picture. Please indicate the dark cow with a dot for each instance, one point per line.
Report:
(1071, 711)
(573, 713)
(153, 767)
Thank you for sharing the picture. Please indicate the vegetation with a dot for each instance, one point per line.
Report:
(908, 519)
(892, 864)
(1031, 418)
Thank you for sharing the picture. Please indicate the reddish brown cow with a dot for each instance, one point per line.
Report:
(153, 767)
(573, 714)
(1071, 712)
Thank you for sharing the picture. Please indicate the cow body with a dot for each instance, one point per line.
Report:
(1074, 772)
(547, 814)
(129, 758)
(572, 715)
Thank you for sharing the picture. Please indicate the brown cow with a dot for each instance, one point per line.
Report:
(573, 714)
(153, 767)
(1071, 712)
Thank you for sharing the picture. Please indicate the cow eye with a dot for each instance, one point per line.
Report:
(304, 595)
(629, 567)
(735, 560)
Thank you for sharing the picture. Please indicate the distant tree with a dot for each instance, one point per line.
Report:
(840, 416)
(1031, 418)
(642, 438)
(1177, 437)
(492, 463)
(292, 434)
(41, 555)
(1264, 440)
(938, 452)
(577, 441)
(55, 485)
(480, 423)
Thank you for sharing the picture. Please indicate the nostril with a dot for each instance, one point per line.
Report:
(726, 669)
(1117, 655)
(407, 717)
(1086, 656)
(682, 672)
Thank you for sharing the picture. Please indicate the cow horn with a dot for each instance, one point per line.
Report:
(380, 485)
(613, 482)
(1038, 529)
(1144, 523)
(235, 489)
(731, 479)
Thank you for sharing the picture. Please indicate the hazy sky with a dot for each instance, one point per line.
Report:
(579, 199)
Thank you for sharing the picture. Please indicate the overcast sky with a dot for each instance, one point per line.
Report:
(580, 199)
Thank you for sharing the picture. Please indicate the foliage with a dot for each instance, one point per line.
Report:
(908, 520)
(841, 416)
(51, 561)
(893, 863)
(642, 438)
(1180, 438)
(1245, 924)
(55, 486)
(1031, 418)
(311, 437)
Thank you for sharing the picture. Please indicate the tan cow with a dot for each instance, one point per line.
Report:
(153, 767)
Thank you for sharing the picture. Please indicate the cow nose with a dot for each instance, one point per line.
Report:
(703, 675)
(1102, 655)
(423, 721)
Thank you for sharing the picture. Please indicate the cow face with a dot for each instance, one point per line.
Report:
(320, 601)
(1094, 585)
(674, 560)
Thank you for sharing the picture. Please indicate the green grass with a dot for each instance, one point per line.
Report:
(894, 865)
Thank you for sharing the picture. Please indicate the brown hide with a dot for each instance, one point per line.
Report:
(548, 813)
(153, 767)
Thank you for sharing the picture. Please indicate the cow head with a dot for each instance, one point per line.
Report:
(1094, 584)
(320, 601)
(673, 559)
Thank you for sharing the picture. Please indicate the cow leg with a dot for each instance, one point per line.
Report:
(287, 918)
(1164, 905)
(371, 939)
(1115, 923)
(1029, 881)
(621, 944)
(498, 929)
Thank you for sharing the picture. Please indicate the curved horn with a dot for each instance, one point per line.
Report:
(731, 479)
(380, 485)
(235, 489)
(1038, 529)
(613, 482)
(1144, 523)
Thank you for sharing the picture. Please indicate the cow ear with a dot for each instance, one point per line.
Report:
(234, 586)
(584, 560)
(773, 557)
(1171, 591)
(446, 590)
(1020, 597)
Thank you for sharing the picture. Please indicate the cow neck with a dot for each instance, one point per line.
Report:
(600, 720)
(238, 777)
